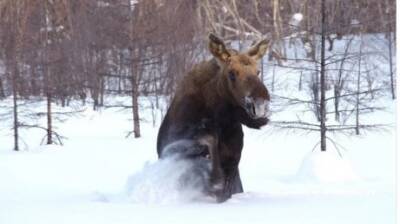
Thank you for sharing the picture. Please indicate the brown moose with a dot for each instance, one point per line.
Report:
(209, 107)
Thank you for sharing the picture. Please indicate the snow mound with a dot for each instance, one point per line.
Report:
(327, 166)
(169, 181)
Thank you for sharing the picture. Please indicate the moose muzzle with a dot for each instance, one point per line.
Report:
(257, 107)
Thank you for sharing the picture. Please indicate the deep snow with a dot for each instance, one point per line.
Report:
(85, 181)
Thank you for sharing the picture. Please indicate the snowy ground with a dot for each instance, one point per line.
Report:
(84, 181)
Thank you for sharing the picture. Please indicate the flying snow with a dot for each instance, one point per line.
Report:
(170, 180)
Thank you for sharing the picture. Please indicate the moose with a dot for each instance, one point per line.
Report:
(205, 117)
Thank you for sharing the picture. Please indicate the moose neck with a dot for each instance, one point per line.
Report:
(219, 101)
(216, 91)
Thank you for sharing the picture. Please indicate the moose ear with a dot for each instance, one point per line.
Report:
(218, 49)
(258, 50)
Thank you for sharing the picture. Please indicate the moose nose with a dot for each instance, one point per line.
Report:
(257, 108)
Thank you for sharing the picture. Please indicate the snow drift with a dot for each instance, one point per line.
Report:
(327, 166)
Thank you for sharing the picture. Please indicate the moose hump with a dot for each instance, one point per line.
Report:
(209, 107)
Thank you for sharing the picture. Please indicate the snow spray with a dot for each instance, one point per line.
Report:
(175, 178)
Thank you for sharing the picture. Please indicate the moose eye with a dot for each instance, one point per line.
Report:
(232, 76)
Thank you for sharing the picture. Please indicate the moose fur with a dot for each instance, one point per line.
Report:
(209, 107)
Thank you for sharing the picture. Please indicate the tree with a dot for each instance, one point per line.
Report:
(322, 79)
(14, 16)
(345, 68)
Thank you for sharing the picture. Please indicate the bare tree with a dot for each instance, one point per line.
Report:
(322, 79)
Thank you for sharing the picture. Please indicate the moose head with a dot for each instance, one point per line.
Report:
(241, 77)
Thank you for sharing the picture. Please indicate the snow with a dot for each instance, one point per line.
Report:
(99, 176)
(168, 181)
(327, 167)
(298, 16)
(296, 19)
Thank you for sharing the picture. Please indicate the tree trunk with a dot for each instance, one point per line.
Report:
(34, 88)
(336, 93)
(102, 89)
(392, 84)
(358, 90)
(47, 78)
(135, 104)
(2, 92)
(49, 119)
(135, 55)
(300, 87)
(63, 100)
(322, 80)
(15, 105)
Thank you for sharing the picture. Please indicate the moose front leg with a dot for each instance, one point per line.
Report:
(230, 154)
(232, 184)
(216, 181)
